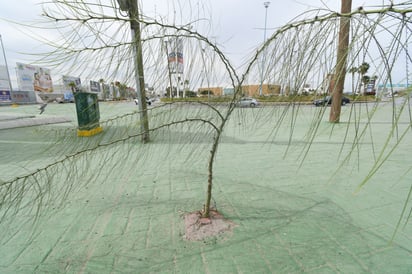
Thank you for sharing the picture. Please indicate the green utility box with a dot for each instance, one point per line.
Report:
(88, 114)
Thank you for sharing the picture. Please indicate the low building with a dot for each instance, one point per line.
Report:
(213, 91)
(254, 90)
(247, 90)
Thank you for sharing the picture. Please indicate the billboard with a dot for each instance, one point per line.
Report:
(94, 86)
(34, 78)
(67, 80)
(5, 95)
(370, 87)
(175, 55)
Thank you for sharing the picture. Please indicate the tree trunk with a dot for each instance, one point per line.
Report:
(343, 44)
(206, 207)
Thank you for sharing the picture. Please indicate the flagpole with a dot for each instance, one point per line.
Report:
(5, 61)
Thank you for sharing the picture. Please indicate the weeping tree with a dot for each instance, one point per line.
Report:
(301, 50)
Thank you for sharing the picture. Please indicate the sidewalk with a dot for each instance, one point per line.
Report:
(120, 207)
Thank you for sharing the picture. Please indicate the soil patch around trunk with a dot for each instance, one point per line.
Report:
(198, 228)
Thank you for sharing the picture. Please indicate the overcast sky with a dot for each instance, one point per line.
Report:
(238, 25)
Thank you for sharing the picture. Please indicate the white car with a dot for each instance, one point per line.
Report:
(247, 102)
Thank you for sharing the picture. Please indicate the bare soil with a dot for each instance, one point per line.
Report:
(198, 228)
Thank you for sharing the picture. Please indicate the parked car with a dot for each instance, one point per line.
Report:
(148, 101)
(67, 97)
(247, 102)
(327, 100)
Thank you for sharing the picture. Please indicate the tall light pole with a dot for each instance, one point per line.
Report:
(406, 59)
(266, 5)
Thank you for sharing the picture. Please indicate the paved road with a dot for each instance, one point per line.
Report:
(288, 182)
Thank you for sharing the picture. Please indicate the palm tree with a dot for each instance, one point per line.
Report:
(185, 87)
(72, 86)
(352, 71)
(101, 81)
(362, 70)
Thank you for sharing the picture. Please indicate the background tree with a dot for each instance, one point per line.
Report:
(362, 70)
(353, 71)
(73, 87)
(102, 88)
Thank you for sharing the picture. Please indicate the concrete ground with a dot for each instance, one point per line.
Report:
(289, 183)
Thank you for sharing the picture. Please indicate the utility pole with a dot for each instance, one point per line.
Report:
(131, 7)
(341, 62)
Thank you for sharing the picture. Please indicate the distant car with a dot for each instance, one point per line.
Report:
(392, 94)
(247, 102)
(148, 101)
(62, 100)
(328, 100)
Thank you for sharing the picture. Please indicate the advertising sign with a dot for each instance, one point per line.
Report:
(34, 78)
(370, 87)
(5, 96)
(94, 86)
(67, 80)
(175, 55)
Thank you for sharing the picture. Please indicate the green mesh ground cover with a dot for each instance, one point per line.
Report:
(295, 209)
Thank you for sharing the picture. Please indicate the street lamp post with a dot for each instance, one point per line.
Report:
(266, 5)
(406, 59)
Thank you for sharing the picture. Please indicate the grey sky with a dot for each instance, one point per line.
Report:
(237, 25)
